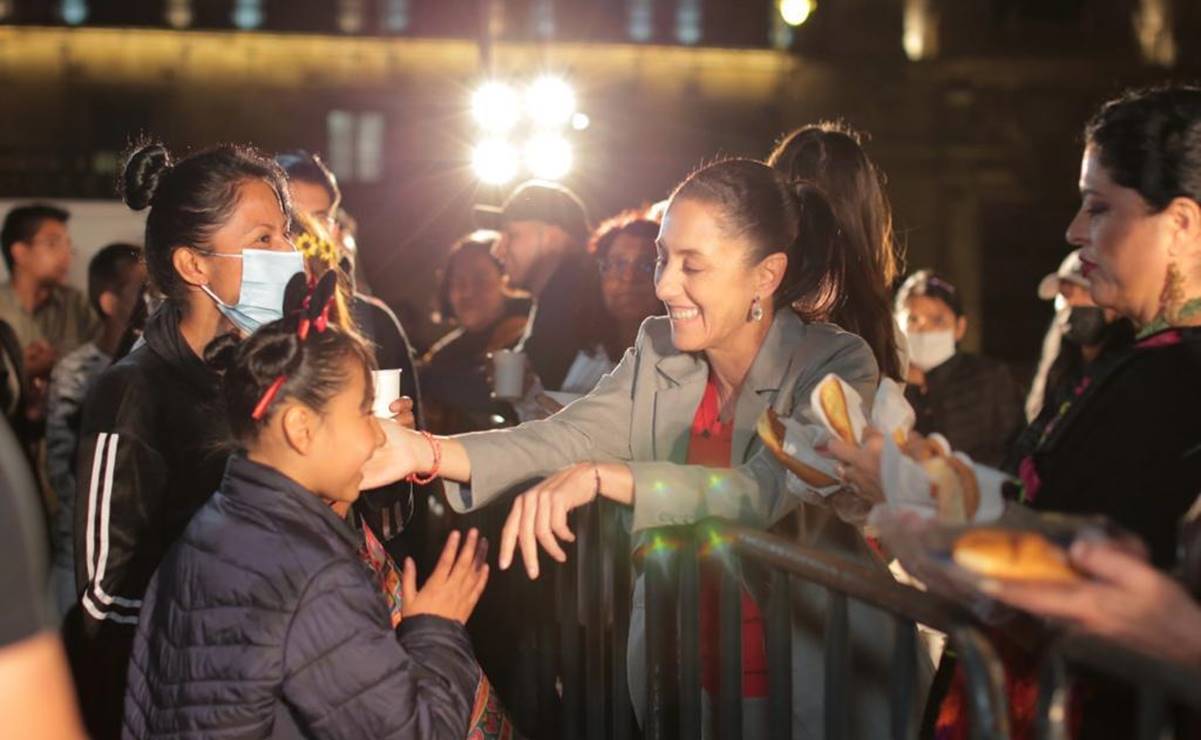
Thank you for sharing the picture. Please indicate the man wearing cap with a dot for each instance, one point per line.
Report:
(971, 400)
(1081, 334)
(544, 230)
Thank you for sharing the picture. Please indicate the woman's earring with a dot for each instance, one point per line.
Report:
(756, 309)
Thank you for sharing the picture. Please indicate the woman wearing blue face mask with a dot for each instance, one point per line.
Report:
(150, 441)
(971, 400)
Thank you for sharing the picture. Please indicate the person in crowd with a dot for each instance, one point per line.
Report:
(544, 233)
(971, 400)
(1081, 335)
(37, 701)
(116, 285)
(489, 316)
(217, 248)
(13, 383)
(624, 247)
(670, 432)
(315, 192)
(50, 318)
(1125, 447)
(856, 298)
(261, 619)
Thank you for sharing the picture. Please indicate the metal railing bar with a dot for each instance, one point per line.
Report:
(903, 670)
(1179, 682)
(778, 636)
(729, 695)
(836, 701)
(984, 675)
(690, 640)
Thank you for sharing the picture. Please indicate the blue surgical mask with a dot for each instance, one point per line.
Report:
(265, 276)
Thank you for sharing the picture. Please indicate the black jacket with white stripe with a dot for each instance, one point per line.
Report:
(151, 452)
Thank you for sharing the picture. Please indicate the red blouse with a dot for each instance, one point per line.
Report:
(710, 444)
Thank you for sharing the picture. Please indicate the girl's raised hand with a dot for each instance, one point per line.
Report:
(454, 588)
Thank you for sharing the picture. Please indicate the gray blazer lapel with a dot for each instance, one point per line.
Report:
(680, 387)
(764, 380)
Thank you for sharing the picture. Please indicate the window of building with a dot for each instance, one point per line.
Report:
(248, 14)
(642, 20)
(356, 145)
(688, 22)
(397, 14)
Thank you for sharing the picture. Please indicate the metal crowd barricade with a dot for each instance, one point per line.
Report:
(594, 615)
(1168, 694)
(843, 579)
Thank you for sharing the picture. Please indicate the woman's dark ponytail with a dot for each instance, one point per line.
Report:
(830, 156)
(816, 258)
(145, 167)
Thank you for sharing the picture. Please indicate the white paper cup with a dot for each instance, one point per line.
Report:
(508, 374)
(387, 390)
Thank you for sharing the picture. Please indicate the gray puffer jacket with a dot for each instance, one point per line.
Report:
(262, 622)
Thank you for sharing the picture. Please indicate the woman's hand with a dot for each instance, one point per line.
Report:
(539, 516)
(454, 588)
(859, 468)
(1125, 600)
(402, 412)
(400, 455)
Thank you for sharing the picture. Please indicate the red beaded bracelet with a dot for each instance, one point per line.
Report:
(437, 448)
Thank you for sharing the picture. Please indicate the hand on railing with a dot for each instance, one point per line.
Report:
(1125, 600)
(539, 516)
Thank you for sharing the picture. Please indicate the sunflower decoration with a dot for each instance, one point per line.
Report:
(315, 242)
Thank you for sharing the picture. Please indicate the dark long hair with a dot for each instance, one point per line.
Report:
(1150, 141)
(190, 199)
(829, 155)
(775, 214)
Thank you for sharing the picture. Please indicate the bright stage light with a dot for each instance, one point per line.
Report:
(796, 12)
(549, 101)
(548, 156)
(495, 107)
(494, 161)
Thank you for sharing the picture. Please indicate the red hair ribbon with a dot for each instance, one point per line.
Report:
(309, 319)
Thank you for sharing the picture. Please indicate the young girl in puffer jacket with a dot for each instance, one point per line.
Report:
(262, 621)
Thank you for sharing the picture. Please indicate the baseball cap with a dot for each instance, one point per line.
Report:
(1071, 270)
(538, 200)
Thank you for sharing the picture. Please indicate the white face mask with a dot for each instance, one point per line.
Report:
(929, 349)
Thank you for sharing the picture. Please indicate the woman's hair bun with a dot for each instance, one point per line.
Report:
(143, 170)
(220, 353)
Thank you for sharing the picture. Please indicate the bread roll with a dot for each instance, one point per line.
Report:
(834, 405)
(771, 431)
(1010, 555)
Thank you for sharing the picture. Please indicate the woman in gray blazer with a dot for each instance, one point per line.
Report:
(739, 244)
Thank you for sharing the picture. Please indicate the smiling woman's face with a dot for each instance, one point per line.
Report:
(1125, 247)
(703, 277)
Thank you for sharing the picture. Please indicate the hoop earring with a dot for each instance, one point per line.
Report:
(756, 309)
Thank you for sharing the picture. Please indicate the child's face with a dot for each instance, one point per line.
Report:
(345, 438)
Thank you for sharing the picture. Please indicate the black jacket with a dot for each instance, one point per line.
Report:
(1129, 446)
(974, 402)
(262, 622)
(566, 318)
(150, 453)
